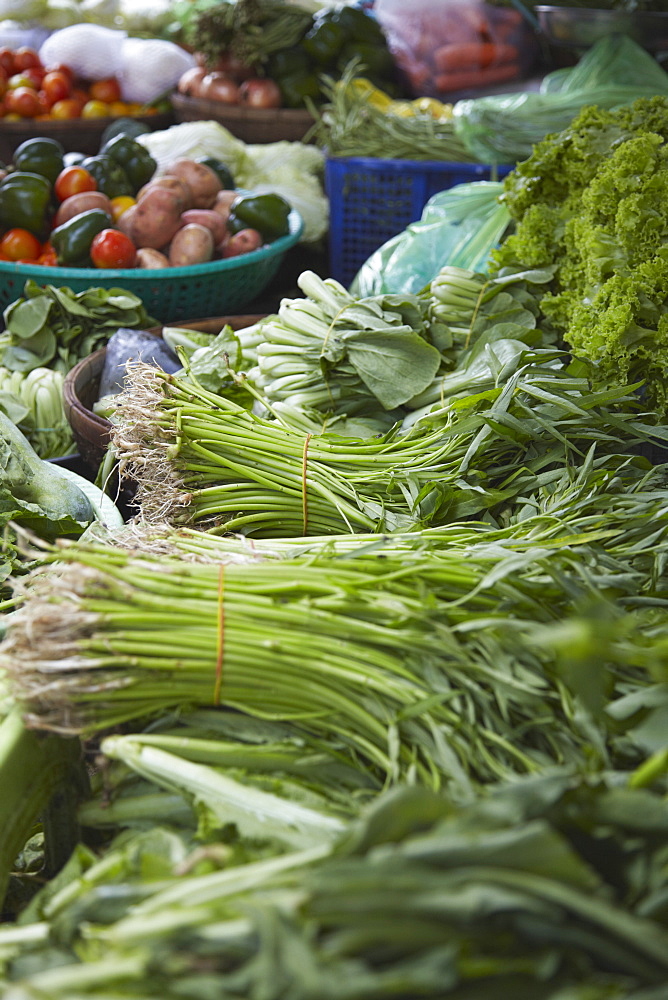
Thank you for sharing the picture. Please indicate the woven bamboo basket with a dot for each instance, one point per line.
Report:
(251, 125)
(77, 135)
(81, 386)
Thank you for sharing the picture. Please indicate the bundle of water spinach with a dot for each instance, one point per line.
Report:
(419, 658)
(201, 457)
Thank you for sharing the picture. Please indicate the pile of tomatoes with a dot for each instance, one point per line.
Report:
(29, 89)
(110, 249)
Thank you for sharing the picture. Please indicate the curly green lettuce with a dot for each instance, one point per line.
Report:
(593, 201)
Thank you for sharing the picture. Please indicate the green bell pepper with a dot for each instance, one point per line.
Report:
(268, 213)
(360, 27)
(25, 202)
(110, 176)
(40, 156)
(136, 161)
(285, 62)
(377, 62)
(72, 240)
(296, 87)
(324, 41)
(73, 159)
(219, 168)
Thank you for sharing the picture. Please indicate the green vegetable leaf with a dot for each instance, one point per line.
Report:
(395, 364)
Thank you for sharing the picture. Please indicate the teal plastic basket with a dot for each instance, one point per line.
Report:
(217, 288)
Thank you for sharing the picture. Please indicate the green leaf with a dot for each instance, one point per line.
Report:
(395, 364)
(25, 318)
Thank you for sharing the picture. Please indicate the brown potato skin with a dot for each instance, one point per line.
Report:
(192, 244)
(201, 180)
(156, 219)
(207, 217)
(242, 242)
(78, 203)
(171, 183)
(151, 260)
(125, 222)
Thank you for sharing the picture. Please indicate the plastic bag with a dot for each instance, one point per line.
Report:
(505, 128)
(91, 51)
(445, 48)
(460, 226)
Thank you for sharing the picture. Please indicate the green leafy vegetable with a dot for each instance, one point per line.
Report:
(56, 327)
(591, 201)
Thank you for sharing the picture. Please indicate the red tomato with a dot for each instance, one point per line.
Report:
(48, 256)
(73, 180)
(25, 57)
(108, 90)
(62, 68)
(56, 87)
(23, 101)
(111, 248)
(7, 60)
(67, 108)
(44, 105)
(20, 244)
(3, 86)
(34, 75)
(80, 95)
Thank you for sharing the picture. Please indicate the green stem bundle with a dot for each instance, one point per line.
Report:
(406, 656)
(199, 457)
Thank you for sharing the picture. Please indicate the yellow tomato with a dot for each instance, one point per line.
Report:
(118, 109)
(121, 204)
(95, 109)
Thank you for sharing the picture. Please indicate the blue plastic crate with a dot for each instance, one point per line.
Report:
(371, 200)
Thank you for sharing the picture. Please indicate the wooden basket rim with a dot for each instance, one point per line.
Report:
(235, 112)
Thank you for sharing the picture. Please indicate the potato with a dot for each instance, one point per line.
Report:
(78, 203)
(223, 203)
(202, 181)
(125, 222)
(207, 217)
(156, 218)
(242, 242)
(150, 259)
(173, 184)
(193, 244)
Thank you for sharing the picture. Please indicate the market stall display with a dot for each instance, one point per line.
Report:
(368, 696)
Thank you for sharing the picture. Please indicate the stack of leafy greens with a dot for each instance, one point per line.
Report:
(549, 889)
(404, 736)
(47, 331)
(592, 202)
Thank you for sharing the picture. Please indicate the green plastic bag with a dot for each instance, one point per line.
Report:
(460, 226)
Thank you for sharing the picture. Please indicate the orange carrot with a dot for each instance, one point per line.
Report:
(473, 55)
(446, 83)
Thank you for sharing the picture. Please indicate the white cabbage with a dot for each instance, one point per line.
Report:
(291, 169)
